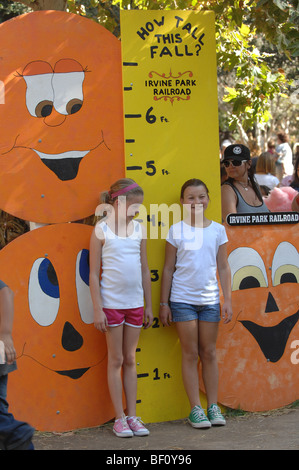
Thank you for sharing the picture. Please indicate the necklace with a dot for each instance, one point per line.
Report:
(244, 186)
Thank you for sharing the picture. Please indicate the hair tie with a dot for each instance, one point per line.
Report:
(123, 191)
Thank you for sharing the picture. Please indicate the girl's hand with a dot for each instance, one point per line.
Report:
(148, 318)
(165, 315)
(227, 312)
(2, 353)
(9, 349)
(100, 321)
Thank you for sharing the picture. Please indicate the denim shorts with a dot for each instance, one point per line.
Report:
(187, 312)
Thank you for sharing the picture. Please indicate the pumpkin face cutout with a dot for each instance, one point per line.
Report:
(61, 382)
(254, 351)
(61, 116)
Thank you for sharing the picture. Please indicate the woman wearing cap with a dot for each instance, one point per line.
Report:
(240, 193)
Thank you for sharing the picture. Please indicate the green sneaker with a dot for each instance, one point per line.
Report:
(198, 419)
(215, 416)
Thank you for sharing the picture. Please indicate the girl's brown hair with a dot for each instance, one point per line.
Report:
(193, 182)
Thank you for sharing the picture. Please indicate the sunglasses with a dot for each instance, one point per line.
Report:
(227, 163)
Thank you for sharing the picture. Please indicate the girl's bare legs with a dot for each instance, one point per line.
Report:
(122, 343)
(114, 338)
(207, 351)
(199, 339)
(130, 341)
(188, 335)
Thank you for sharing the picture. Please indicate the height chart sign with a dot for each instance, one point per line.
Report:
(170, 101)
(171, 135)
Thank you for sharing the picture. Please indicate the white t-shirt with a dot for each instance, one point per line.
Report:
(286, 157)
(195, 280)
(121, 279)
(267, 180)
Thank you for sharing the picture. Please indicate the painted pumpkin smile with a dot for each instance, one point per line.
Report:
(65, 165)
(272, 339)
(71, 373)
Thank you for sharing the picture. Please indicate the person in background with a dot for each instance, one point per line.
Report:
(271, 147)
(284, 160)
(227, 140)
(265, 171)
(295, 204)
(240, 193)
(14, 435)
(295, 179)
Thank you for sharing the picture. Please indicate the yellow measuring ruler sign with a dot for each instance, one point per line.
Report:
(171, 135)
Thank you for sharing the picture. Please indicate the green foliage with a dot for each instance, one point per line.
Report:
(10, 9)
(240, 24)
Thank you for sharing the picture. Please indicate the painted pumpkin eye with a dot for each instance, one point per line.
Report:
(43, 292)
(285, 265)
(82, 285)
(68, 87)
(74, 106)
(44, 108)
(39, 94)
(247, 269)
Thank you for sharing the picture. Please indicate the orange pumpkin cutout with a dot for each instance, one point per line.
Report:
(61, 382)
(256, 371)
(61, 133)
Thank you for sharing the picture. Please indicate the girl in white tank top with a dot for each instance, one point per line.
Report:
(118, 249)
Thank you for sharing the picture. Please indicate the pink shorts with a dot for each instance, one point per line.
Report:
(128, 316)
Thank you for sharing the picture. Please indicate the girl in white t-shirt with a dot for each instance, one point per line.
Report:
(195, 249)
(118, 246)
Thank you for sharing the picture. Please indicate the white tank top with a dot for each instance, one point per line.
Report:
(121, 279)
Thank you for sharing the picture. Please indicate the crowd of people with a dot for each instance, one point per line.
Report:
(247, 180)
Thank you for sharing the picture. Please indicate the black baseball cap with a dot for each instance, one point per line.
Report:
(236, 152)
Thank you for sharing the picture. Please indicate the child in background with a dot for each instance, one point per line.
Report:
(195, 249)
(118, 245)
(14, 435)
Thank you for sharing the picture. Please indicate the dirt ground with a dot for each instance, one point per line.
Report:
(275, 430)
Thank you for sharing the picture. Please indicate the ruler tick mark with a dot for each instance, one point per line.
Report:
(134, 167)
(132, 116)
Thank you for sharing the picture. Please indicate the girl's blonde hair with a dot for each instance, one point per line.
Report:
(265, 163)
(107, 196)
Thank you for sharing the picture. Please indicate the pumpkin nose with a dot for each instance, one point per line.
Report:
(71, 340)
(271, 305)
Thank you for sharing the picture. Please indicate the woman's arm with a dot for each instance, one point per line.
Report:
(95, 259)
(295, 203)
(228, 201)
(168, 270)
(225, 281)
